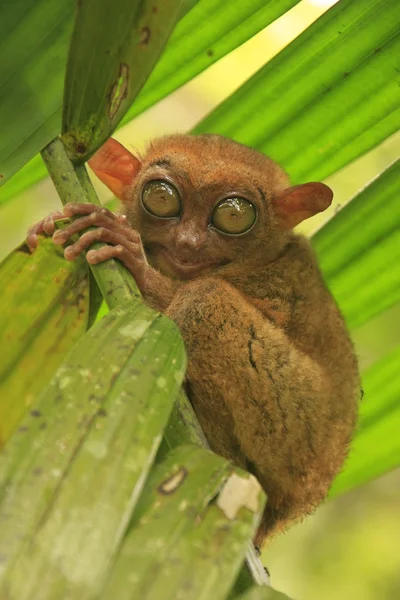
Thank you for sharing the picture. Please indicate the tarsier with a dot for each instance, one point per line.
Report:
(206, 230)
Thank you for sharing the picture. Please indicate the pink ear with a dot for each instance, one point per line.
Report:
(300, 202)
(115, 166)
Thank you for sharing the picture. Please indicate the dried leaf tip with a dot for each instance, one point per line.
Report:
(238, 492)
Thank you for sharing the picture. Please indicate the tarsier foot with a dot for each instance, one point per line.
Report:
(44, 227)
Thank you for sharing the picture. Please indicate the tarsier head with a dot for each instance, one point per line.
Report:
(203, 203)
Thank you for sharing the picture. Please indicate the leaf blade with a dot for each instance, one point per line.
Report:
(45, 310)
(91, 475)
(322, 80)
(185, 56)
(359, 250)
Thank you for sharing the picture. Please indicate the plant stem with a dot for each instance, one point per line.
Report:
(73, 185)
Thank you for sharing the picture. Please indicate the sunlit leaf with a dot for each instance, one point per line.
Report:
(44, 311)
(108, 65)
(376, 446)
(34, 37)
(167, 536)
(208, 32)
(75, 470)
(327, 98)
(359, 250)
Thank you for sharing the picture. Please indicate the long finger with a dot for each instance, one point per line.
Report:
(85, 208)
(41, 227)
(95, 218)
(104, 253)
(120, 252)
(31, 239)
(98, 219)
(48, 224)
(100, 234)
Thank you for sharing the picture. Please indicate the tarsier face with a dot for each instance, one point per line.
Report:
(201, 203)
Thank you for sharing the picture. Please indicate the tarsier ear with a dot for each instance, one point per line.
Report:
(115, 166)
(300, 202)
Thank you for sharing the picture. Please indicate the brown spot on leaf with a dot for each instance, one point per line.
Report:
(118, 90)
(154, 10)
(80, 148)
(102, 412)
(173, 482)
(210, 52)
(144, 36)
(36, 413)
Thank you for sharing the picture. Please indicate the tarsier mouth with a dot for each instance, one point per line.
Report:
(184, 267)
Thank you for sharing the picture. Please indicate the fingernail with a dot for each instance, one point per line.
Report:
(58, 237)
(68, 254)
(91, 256)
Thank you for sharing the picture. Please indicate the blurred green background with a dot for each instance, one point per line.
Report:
(349, 549)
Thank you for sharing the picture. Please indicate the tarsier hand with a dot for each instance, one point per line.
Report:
(121, 241)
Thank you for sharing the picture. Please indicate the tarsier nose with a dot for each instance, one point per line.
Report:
(190, 239)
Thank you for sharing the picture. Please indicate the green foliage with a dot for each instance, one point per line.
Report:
(359, 250)
(34, 38)
(78, 463)
(178, 525)
(97, 93)
(82, 511)
(376, 446)
(40, 63)
(45, 310)
(359, 253)
(327, 98)
(208, 32)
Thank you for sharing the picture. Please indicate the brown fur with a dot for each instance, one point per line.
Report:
(272, 372)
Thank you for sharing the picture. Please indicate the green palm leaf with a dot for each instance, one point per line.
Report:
(376, 446)
(208, 32)
(327, 98)
(45, 310)
(359, 250)
(104, 413)
(181, 494)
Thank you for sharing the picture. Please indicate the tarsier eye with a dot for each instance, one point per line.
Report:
(161, 199)
(234, 216)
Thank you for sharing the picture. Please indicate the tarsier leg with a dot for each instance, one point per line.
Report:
(259, 400)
